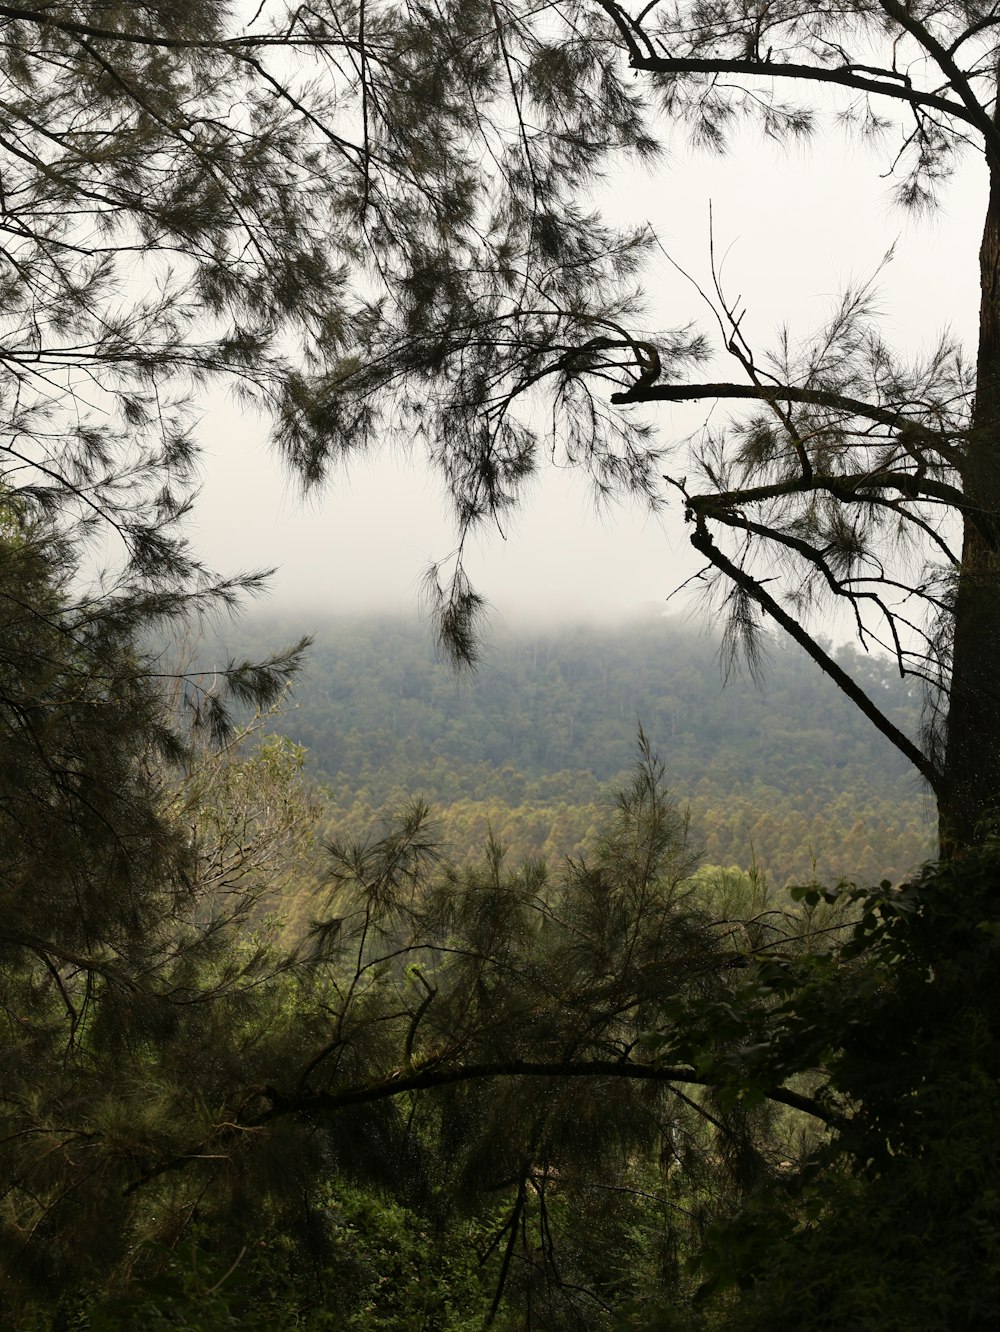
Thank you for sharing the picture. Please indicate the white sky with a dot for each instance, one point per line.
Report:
(798, 226)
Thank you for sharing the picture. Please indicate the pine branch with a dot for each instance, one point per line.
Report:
(429, 1078)
(975, 113)
(846, 76)
(887, 416)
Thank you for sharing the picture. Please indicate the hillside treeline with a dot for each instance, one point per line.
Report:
(788, 774)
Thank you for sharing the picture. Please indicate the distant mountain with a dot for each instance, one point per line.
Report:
(530, 744)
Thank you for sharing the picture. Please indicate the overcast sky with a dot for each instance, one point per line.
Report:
(796, 227)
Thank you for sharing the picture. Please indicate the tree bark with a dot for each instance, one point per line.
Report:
(970, 787)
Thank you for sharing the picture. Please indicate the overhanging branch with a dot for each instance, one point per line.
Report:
(893, 417)
(442, 1076)
(49, 17)
(846, 76)
(848, 487)
(431, 1077)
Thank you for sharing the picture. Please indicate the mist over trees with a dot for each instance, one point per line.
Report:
(304, 213)
(789, 777)
(493, 1093)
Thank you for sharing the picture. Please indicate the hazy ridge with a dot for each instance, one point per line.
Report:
(531, 743)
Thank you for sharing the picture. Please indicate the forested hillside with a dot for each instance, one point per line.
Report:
(790, 773)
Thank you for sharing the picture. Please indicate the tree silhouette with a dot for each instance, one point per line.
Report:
(856, 477)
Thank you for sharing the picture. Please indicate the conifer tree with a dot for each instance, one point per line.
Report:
(860, 476)
(125, 986)
(372, 221)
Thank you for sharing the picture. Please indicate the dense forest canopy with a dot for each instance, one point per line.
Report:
(787, 774)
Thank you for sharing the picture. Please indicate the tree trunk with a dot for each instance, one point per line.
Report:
(970, 787)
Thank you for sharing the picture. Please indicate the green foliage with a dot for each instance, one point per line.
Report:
(402, 1272)
(437, 1115)
(129, 993)
(297, 206)
(894, 1223)
(515, 1008)
(251, 817)
(380, 1266)
(529, 746)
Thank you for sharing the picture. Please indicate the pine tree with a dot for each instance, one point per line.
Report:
(128, 981)
(299, 206)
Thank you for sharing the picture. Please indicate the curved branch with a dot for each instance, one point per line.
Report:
(848, 490)
(837, 586)
(47, 17)
(976, 113)
(430, 1077)
(46, 950)
(887, 416)
(846, 76)
(847, 487)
